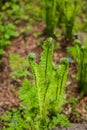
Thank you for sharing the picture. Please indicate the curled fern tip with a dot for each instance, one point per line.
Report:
(31, 56)
(49, 41)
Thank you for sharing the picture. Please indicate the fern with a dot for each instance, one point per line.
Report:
(70, 13)
(67, 11)
(49, 84)
(35, 70)
(79, 53)
(43, 99)
(31, 94)
(50, 6)
(62, 73)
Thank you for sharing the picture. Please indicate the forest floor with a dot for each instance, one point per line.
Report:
(23, 45)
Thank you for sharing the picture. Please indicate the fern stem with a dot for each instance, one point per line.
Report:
(60, 87)
(46, 62)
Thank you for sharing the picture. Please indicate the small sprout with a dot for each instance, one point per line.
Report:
(32, 56)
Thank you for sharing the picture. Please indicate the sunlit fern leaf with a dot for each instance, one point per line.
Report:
(45, 67)
(46, 58)
(30, 97)
(35, 68)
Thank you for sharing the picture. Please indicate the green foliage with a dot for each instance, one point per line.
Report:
(16, 8)
(21, 10)
(15, 120)
(79, 53)
(7, 31)
(27, 93)
(18, 66)
(42, 99)
(50, 6)
(62, 120)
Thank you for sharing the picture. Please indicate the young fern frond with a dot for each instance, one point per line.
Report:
(46, 64)
(58, 86)
(35, 69)
(62, 77)
(82, 70)
(46, 58)
(70, 12)
(79, 53)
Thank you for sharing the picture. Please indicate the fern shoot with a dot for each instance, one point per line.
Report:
(70, 13)
(67, 12)
(79, 53)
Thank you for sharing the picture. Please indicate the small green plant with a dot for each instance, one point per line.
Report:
(18, 66)
(50, 6)
(70, 13)
(79, 53)
(43, 99)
